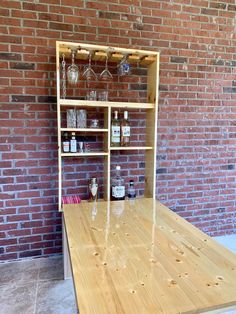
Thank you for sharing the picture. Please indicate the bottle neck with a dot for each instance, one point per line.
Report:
(117, 173)
(126, 115)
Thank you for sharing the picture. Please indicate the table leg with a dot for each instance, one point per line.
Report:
(66, 257)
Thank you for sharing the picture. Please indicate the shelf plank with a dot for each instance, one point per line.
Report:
(106, 104)
(132, 148)
(83, 130)
(84, 154)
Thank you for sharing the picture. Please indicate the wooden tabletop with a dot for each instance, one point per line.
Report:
(140, 257)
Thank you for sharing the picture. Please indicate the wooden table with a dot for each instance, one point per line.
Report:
(140, 257)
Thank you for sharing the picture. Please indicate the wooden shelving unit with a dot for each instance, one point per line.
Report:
(150, 59)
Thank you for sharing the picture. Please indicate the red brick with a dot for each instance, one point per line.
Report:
(52, 250)
(16, 248)
(7, 227)
(7, 257)
(16, 233)
(42, 230)
(17, 203)
(14, 187)
(28, 194)
(17, 218)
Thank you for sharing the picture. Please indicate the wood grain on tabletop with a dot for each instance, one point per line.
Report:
(140, 257)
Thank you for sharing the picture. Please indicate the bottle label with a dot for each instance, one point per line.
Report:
(115, 134)
(118, 191)
(73, 147)
(126, 130)
(66, 147)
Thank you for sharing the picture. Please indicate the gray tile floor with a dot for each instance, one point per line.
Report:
(35, 287)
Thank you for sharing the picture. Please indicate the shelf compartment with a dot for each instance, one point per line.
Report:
(106, 104)
(84, 154)
(131, 148)
(84, 130)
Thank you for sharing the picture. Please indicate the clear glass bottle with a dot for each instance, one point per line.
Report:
(65, 143)
(73, 143)
(117, 186)
(115, 130)
(125, 130)
(131, 190)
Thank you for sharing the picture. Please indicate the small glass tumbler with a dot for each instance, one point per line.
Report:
(92, 95)
(86, 147)
(71, 118)
(103, 96)
(81, 118)
(94, 124)
(81, 147)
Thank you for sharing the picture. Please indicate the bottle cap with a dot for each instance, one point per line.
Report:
(117, 167)
(131, 182)
(73, 133)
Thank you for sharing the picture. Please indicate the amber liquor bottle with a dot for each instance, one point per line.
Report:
(125, 130)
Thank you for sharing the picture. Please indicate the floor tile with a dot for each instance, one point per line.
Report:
(229, 241)
(51, 268)
(18, 299)
(56, 296)
(19, 273)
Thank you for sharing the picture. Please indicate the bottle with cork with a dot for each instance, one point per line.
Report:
(125, 130)
(73, 143)
(115, 130)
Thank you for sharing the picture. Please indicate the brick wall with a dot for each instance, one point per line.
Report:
(196, 132)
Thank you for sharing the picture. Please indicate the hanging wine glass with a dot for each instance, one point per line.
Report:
(106, 74)
(73, 70)
(89, 73)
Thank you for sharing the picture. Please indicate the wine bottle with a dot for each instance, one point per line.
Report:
(125, 130)
(73, 143)
(115, 130)
(66, 143)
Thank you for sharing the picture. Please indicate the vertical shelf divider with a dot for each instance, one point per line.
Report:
(107, 159)
(59, 127)
(151, 129)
